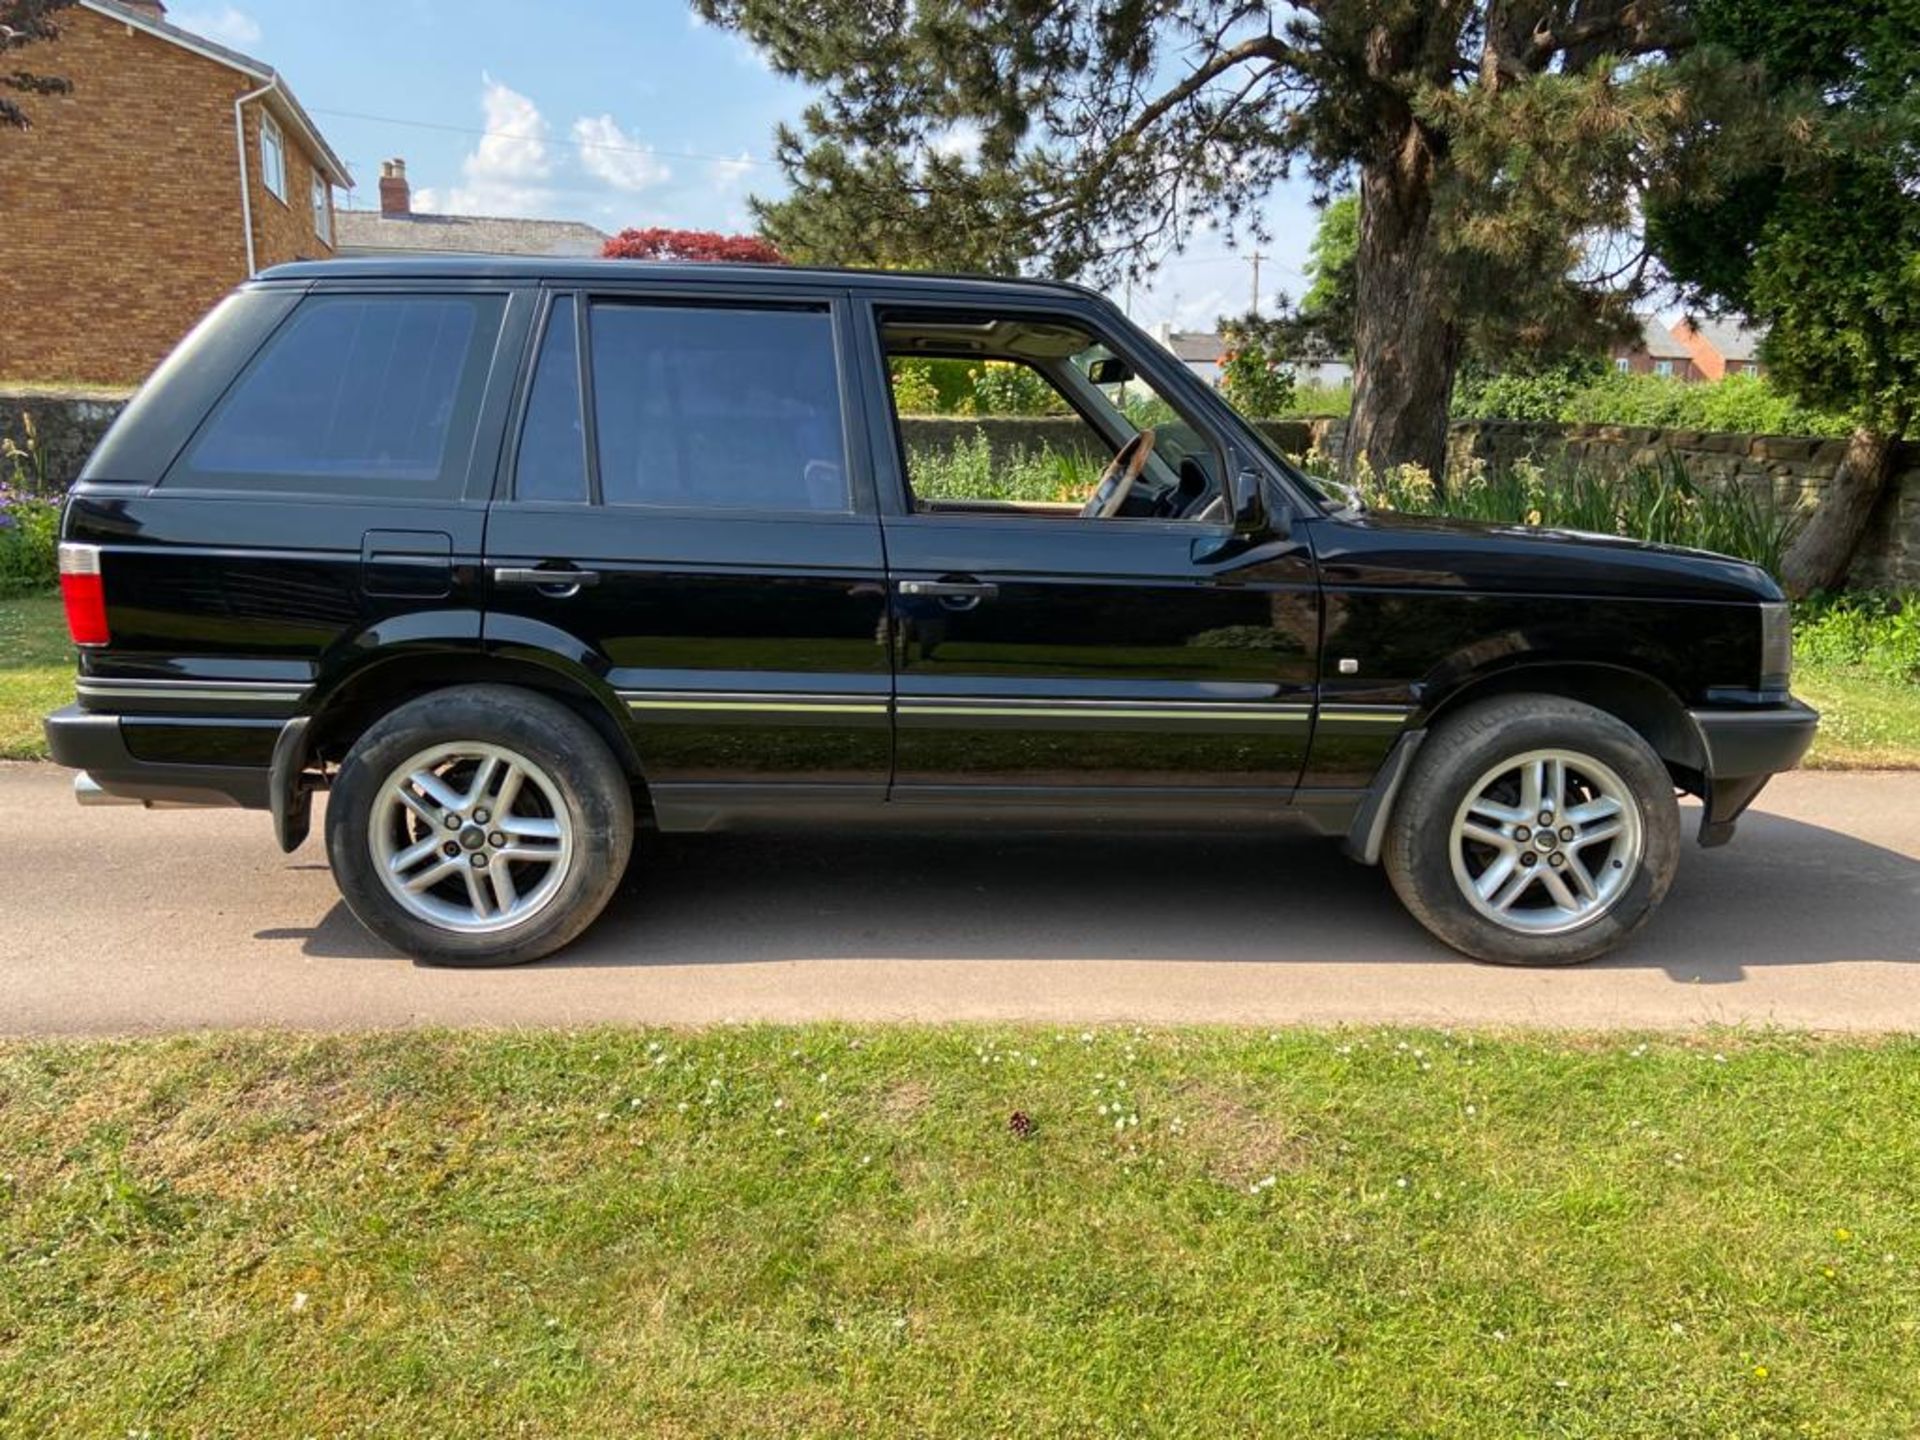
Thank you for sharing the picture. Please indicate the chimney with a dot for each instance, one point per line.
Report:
(395, 196)
(147, 9)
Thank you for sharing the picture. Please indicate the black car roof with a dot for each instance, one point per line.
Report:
(520, 268)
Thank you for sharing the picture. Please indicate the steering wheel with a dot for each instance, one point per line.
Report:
(1116, 481)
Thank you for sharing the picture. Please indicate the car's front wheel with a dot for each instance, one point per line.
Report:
(1533, 830)
(484, 825)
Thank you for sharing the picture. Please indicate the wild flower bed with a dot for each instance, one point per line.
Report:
(1659, 502)
(29, 516)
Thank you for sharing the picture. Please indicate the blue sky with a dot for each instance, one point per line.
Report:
(616, 112)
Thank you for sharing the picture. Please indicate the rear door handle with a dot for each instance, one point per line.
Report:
(950, 589)
(553, 582)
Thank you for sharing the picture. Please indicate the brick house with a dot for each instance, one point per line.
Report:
(396, 228)
(1654, 352)
(174, 169)
(1719, 348)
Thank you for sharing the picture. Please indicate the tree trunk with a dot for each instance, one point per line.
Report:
(1405, 347)
(1820, 554)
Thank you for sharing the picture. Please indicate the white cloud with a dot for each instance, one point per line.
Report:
(960, 140)
(507, 170)
(610, 155)
(725, 174)
(228, 24)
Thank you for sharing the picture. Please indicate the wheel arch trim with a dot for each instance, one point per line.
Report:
(1634, 696)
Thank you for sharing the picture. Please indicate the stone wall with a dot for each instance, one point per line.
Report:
(1792, 470)
(66, 427)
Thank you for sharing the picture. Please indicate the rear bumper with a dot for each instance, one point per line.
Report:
(97, 746)
(1745, 749)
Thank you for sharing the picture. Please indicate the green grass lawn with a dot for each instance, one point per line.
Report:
(831, 1231)
(1868, 722)
(36, 672)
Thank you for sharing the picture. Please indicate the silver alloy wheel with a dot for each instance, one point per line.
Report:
(1546, 842)
(470, 837)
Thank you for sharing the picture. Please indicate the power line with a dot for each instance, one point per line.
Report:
(539, 139)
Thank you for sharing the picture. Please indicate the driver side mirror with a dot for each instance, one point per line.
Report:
(1247, 498)
(1252, 521)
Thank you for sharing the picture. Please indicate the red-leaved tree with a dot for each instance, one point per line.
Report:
(658, 244)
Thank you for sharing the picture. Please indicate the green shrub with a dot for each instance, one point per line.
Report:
(1874, 632)
(1738, 403)
(29, 516)
(1544, 396)
(1253, 378)
(29, 539)
(966, 470)
(1001, 387)
(914, 392)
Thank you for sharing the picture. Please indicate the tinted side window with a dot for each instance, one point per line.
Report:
(552, 463)
(718, 408)
(369, 394)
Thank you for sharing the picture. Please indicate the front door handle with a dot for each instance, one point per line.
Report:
(975, 590)
(557, 583)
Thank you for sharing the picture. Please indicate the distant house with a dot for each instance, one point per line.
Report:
(1689, 350)
(1719, 348)
(396, 228)
(1201, 352)
(1198, 350)
(174, 169)
(1654, 352)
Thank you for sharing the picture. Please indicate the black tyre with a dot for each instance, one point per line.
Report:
(1533, 830)
(483, 825)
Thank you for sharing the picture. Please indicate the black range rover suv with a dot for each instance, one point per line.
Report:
(511, 557)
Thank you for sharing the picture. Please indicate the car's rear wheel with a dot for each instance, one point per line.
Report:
(1534, 830)
(484, 825)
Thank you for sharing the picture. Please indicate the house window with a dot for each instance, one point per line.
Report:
(322, 211)
(1663, 367)
(273, 158)
(1622, 364)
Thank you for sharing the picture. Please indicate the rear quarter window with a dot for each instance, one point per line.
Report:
(354, 394)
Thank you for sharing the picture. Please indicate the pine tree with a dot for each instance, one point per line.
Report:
(1487, 141)
(1820, 240)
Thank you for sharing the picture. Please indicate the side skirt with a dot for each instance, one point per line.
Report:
(699, 807)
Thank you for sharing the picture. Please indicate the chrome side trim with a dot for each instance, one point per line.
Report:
(164, 690)
(1115, 710)
(1365, 714)
(748, 702)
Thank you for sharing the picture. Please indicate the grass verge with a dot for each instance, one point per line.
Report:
(833, 1231)
(1868, 721)
(36, 672)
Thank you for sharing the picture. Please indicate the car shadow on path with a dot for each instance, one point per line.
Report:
(1785, 893)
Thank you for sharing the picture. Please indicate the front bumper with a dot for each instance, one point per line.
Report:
(97, 745)
(1744, 749)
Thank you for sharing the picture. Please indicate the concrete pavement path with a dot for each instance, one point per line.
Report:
(120, 920)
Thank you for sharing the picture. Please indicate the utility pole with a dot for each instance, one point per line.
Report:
(1256, 257)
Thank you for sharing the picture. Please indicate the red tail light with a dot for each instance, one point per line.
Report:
(86, 598)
